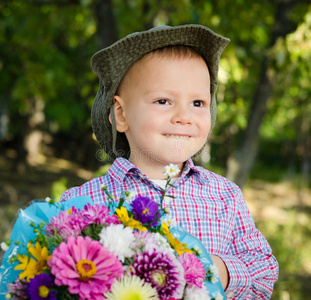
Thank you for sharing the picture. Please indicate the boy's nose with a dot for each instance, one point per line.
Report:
(181, 116)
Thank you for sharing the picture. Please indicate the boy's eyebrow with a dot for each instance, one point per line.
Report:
(162, 92)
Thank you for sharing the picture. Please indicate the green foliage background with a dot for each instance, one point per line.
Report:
(45, 51)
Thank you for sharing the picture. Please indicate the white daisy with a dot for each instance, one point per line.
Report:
(169, 222)
(162, 242)
(129, 197)
(219, 296)
(215, 273)
(171, 170)
(167, 200)
(119, 240)
(196, 293)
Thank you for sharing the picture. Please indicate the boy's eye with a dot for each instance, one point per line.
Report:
(162, 101)
(198, 103)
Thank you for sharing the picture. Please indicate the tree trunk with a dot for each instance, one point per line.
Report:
(34, 134)
(240, 162)
(148, 21)
(4, 119)
(303, 150)
(106, 24)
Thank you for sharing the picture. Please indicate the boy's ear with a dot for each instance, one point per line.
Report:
(118, 108)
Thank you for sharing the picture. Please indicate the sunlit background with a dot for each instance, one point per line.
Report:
(262, 137)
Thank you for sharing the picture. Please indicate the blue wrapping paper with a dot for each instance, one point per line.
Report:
(37, 212)
(40, 212)
(191, 241)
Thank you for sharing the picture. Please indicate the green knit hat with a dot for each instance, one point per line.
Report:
(113, 62)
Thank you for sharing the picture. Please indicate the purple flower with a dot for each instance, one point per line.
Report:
(162, 270)
(146, 211)
(39, 288)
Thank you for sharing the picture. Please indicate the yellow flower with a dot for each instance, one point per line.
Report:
(123, 217)
(31, 266)
(165, 229)
(175, 243)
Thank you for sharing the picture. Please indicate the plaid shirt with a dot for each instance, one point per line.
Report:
(209, 207)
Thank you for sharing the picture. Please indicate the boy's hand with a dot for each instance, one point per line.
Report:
(222, 269)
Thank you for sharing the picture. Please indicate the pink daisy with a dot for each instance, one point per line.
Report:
(194, 269)
(98, 214)
(65, 224)
(143, 238)
(71, 223)
(85, 266)
(17, 290)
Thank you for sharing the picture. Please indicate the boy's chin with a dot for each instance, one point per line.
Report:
(181, 156)
(164, 157)
(176, 159)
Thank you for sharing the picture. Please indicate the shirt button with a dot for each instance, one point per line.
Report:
(167, 200)
(229, 295)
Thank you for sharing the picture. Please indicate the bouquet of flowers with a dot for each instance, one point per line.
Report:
(124, 250)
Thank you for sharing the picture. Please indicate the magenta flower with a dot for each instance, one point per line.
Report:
(71, 223)
(17, 290)
(97, 214)
(85, 266)
(143, 238)
(194, 269)
(146, 211)
(162, 270)
(66, 224)
(39, 288)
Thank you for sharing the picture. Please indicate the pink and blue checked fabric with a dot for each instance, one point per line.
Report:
(209, 207)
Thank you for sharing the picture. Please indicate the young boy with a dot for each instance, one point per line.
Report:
(156, 105)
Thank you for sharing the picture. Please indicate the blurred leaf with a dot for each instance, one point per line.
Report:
(58, 187)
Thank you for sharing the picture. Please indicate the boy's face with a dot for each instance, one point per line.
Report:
(163, 107)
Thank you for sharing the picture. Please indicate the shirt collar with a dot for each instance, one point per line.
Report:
(188, 167)
(121, 167)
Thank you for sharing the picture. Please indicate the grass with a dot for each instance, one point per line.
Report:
(283, 215)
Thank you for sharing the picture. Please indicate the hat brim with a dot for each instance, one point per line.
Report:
(113, 62)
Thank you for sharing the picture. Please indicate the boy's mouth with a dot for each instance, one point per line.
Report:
(178, 136)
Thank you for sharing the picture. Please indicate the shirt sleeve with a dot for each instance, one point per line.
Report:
(252, 268)
(66, 195)
(72, 193)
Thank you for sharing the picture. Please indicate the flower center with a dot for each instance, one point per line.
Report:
(86, 269)
(158, 277)
(41, 265)
(43, 291)
(134, 297)
(145, 211)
